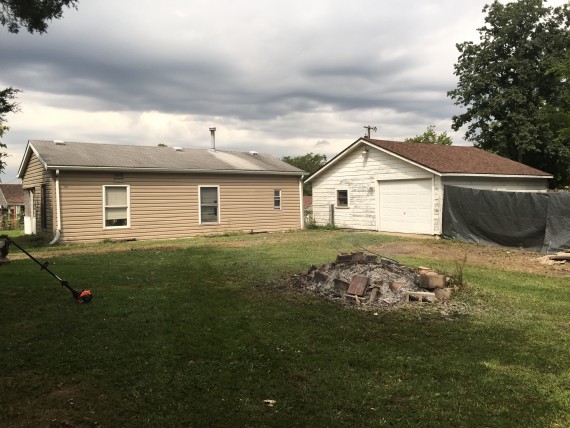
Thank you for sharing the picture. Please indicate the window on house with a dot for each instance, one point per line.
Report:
(342, 198)
(209, 204)
(277, 199)
(116, 206)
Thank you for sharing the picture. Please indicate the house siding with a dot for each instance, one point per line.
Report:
(36, 176)
(360, 176)
(166, 205)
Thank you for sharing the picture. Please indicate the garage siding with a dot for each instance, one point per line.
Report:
(360, 176)
(507, 184)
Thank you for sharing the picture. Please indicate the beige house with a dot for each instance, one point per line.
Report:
(80, 192)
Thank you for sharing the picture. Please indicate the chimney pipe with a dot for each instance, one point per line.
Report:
(213, 133)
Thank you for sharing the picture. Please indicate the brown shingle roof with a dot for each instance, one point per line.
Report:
(457, 159)
(12, 193)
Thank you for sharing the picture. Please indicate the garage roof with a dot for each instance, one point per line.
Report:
(445, 160)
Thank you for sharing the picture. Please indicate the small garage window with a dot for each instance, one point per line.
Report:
(277, 199)
(342, 198)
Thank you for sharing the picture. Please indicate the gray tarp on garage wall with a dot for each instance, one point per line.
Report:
(536, 221)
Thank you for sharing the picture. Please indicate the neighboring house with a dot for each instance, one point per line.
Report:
(398, 186)
(308, 208)
(11, 205)
(81, 192)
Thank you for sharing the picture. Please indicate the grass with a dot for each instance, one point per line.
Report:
(199, 332)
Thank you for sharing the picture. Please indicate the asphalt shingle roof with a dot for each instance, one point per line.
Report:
(12, 194)
(457, 159)
(113, 156)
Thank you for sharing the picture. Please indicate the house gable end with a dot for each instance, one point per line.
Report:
(362, 142)
(28, 153)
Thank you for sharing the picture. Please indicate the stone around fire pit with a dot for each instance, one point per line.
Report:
(370, 282)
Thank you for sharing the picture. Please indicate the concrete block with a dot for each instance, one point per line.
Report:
(422, 296)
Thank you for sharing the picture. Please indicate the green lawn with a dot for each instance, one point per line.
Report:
(200, 332)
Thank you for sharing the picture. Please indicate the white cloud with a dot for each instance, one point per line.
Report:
(280, 76)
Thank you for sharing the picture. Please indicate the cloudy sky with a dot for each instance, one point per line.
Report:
(282, 77)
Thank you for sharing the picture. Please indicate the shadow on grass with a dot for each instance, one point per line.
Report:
(189, 338)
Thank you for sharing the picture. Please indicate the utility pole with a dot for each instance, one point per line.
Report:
(369, 128)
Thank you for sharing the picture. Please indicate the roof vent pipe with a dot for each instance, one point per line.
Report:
(213, 133)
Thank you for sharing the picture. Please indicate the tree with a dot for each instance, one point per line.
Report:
(431, 137)
(33, 15)
(309, 163)
(511, 87)
(7, 105)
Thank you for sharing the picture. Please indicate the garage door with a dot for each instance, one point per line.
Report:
(406, 206)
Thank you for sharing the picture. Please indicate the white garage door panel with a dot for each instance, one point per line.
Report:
(406, 206)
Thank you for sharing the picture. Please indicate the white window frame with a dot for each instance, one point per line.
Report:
(336, 198)
(128, 225)
(200, 204)
(277, 198)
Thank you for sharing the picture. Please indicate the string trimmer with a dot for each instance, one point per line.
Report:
(83, 296)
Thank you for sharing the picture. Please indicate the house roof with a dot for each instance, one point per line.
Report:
(114, 157)
(11, 194)
(446, 160)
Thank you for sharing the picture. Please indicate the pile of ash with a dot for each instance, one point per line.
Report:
(373, 282)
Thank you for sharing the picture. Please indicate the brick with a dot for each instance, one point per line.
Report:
(343, 258)
(442, 293)
(357, 257)
(432, 280)
(396, 285)
(341, 286)
(358, 285)
(374, 295)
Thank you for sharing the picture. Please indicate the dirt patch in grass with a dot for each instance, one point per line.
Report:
(494, 257)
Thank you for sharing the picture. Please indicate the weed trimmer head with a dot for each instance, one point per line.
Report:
(83, 296)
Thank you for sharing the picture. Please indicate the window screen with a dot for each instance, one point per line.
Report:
(342, 198)
(277, 199)
(209, 206)
(116, 206)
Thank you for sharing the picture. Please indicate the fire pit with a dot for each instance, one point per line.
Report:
(373, 282)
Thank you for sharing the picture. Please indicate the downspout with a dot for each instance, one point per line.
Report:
(58, 207)
(301, 202)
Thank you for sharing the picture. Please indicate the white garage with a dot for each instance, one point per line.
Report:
(393, 186)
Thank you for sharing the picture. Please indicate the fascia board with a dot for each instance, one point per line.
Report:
(335, 159)
(458, 174)
(168, 170)
(26, 159)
